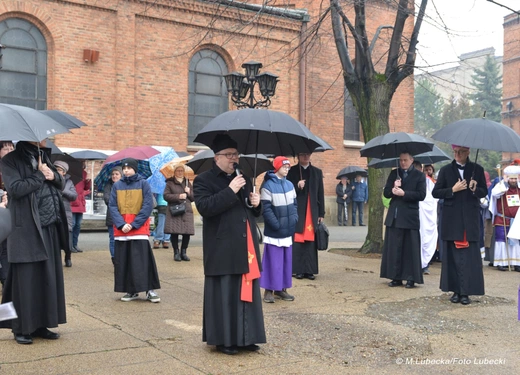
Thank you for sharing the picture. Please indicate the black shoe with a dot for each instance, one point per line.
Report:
(44, 333)
(229, 350)
(517, 268)
(299, 276)
(68, 263)
(395, 283)
(309, 276)
(23, 339)
(501, 268)
(362, 225)
(78, 250)
(410, 284)
(73, 250)
(465, 300)
(490, 264)
(455, 298)
(250, 348)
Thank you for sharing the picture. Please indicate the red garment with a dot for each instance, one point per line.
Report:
(509, 211)
(308, 229)
(462, 244)
(246, 291)
(83, 189)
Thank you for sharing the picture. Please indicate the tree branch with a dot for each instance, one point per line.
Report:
(395, 43)
(341, 43)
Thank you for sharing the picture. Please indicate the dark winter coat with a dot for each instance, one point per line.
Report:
(340, 193)
(69, 194)
(23, 183)
(182, 224)
(403, 212)
(313, 188)
(225, 215)
(279, 206)
(106, 197)
(461, 210)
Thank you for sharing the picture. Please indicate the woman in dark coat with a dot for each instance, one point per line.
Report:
(179, 189)
(115, 175)
(35, 280)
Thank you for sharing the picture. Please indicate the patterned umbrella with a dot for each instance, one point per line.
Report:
(143, 168)
(156, 180)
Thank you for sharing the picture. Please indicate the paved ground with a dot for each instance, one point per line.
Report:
(347, 321)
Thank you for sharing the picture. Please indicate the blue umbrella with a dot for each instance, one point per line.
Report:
(143, 168)
(156, 180)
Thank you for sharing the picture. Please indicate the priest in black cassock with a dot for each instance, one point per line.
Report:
(461, 184)
(402, 248)
(308, 183)
(39, 231)
(232, 314)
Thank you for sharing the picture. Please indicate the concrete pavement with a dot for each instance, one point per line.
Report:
(347, 321)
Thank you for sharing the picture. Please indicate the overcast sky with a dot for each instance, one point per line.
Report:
(472, 25)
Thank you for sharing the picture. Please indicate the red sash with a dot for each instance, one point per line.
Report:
(462, 244)
(246, 291)
(308, 229)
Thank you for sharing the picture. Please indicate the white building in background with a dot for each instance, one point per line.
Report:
(456, 80)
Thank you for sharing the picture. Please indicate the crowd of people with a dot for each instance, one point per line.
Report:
(426, 216)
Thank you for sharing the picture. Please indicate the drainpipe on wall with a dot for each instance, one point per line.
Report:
(303, 72)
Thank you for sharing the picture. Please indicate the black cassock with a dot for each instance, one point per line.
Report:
(402, 248)
(461, 268)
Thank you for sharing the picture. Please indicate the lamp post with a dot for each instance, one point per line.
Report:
(242, 87)
(509, 106)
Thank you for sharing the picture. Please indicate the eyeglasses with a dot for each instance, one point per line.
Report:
(229, 155)
(286, 166)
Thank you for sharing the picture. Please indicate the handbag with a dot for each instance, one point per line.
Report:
(322, 236)
(178, 209)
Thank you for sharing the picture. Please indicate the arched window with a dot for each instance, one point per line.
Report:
(23, 77)
(208, 95)
(350, 120)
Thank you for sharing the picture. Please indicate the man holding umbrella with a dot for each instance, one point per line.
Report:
(232, 313)
(308, 182)
(461, 184)
(402, 248)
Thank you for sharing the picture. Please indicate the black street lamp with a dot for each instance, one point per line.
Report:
(240, 86)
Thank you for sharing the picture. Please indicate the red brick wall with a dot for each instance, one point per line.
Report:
(511, 76)
(137, 93)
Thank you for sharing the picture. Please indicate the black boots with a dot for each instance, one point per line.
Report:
(176, 255)
(184, 256)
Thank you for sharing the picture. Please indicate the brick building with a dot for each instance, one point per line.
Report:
(511, 76)
(150, 73)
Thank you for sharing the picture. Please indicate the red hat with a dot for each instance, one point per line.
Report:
(279, 161)
(516, 162)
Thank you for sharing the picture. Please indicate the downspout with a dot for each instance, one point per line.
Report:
(303, 72)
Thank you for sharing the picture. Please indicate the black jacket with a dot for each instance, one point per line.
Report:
(25, 244)
(340, 193)
(404, 211)
(225, 214)
(313, 188)
(461, 210)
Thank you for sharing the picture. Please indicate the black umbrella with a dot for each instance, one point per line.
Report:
(351, 171)
(203, 161)
(479, 133)
(430, 157)
(391, 145)
(260, 131)
(89, 155)
(75, 166)
(27, 124)
(54, 149)
(65, 119)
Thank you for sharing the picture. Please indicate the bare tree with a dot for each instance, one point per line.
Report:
(372, 91)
